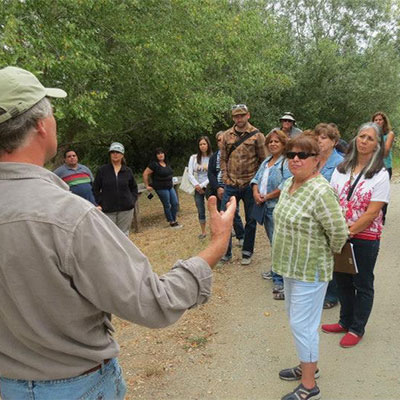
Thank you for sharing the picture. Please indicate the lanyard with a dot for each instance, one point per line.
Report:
(353, 186)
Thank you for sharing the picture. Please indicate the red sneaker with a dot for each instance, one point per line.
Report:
(333, 328)
(350, 340)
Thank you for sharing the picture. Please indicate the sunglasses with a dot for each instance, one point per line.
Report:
(286, 120)
(236, 106)
(300, 154)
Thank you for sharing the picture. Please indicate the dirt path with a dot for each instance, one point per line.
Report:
(252, 341)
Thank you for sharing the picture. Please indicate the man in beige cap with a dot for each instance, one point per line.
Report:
(242, 152)
(65, 267)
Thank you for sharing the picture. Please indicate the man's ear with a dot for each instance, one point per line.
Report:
(40, 128)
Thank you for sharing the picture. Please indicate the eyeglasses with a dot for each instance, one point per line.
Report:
(300, 154)
(236, 106)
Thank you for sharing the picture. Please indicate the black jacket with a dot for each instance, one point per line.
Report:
(115, 193)
(213, 174)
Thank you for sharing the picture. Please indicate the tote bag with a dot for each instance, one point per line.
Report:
(186, 186)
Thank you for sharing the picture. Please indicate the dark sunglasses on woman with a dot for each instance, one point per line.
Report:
(300, 154)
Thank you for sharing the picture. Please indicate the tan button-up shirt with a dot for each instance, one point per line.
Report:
(64, 267)
(244, 161)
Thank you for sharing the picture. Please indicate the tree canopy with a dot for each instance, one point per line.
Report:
(163, 72)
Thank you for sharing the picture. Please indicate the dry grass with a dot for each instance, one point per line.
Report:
(148, 354)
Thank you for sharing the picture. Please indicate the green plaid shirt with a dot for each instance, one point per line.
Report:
(309, 228)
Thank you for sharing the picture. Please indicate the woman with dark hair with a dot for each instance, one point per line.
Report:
(362, 184)
(115, 189)
(267, 185)
(382, 120)
(161, 175)
(198, 177)
(309, 228)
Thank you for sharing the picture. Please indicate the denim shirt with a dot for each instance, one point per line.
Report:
(277, 176)
(333, 161)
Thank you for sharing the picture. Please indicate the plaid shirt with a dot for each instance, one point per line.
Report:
(309, 227)
(243, 162)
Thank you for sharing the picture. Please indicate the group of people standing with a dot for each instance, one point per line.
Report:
(66, 267)
(75, 267)
(290, 182)
(114, 189)
(312, 192)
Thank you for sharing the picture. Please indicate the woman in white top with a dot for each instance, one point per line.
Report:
(197, 171)
(362, 183)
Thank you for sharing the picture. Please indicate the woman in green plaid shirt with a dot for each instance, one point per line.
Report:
(309, 228)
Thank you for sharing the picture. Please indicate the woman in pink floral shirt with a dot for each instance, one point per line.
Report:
(362, 183)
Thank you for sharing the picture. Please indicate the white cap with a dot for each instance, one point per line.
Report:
(116, 146)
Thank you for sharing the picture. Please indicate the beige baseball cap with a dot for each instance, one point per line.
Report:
(20, 90)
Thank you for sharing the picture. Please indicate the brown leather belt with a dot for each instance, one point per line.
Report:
(96, 368)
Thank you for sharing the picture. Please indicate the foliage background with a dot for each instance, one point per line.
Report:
(164, 72)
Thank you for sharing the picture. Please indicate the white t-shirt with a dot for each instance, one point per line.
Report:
(264, 180)
(199, 171)
(375, 189)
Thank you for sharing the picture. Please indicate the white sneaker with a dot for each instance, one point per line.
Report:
(240, 242)
(246, 261)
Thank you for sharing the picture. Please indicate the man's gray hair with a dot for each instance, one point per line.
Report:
(14, 132)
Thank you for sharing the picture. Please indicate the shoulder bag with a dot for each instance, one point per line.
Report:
(186, 186)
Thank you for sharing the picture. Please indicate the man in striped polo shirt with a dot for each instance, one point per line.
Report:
(78, 177)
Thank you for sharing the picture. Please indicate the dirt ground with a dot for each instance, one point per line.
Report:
(233, 347)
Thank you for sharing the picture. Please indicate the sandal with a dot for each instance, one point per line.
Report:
(294, 374)
(329, 304)
(277, 289)
(267, 275)
(304, 394)
(279, 295)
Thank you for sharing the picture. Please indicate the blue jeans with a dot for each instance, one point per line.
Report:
(106, 383)
(331, 293)
(201, 209)
(170, 203)
(238, 225)
(356, 292)
(245, 194)
(269, 229)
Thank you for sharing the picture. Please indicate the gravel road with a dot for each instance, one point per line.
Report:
(253, 341)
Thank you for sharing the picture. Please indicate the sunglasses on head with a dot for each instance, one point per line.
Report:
(300, 154)
(236, 106)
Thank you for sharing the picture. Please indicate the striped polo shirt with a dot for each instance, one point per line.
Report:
(79, 180)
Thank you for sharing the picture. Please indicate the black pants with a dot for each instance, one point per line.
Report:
(356, 292)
